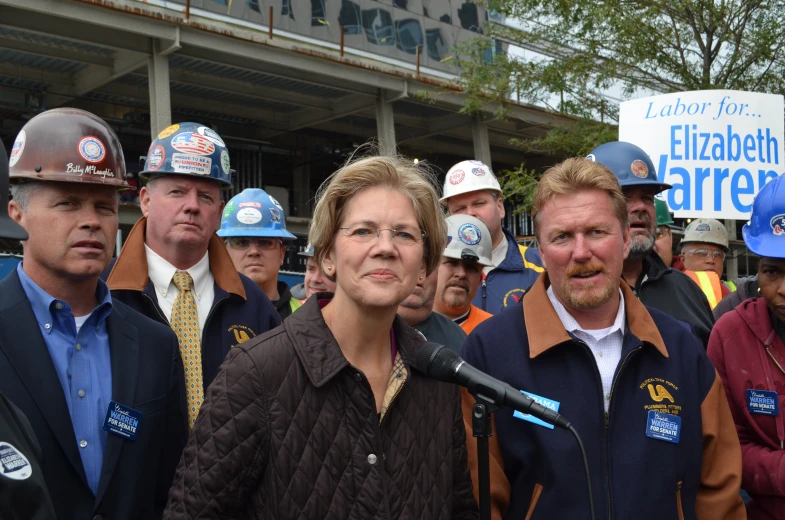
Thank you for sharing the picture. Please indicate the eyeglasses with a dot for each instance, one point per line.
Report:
(402, 236)
(260, 242)
(705, 254)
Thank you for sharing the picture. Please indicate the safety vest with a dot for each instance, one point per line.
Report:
(709, 282)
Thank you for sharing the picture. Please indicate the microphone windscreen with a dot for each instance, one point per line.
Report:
(437, 361)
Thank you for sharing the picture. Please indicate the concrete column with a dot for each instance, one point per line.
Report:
(385, 125)
(482, 146)
(731, 264)
(160, 100)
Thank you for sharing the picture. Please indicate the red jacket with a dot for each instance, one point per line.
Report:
(743, 346)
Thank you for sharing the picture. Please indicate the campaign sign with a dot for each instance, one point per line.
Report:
(717, 148)
(123, 421)
(663, 426)
(762, 402)
(544, 401)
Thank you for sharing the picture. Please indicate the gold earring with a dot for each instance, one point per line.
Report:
(420, 277)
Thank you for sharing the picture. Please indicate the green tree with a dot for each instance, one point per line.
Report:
(577, 50)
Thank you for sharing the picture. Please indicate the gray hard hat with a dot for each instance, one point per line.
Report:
(468, 239)
(706, 231)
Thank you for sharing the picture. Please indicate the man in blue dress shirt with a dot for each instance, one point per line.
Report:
(101, 384)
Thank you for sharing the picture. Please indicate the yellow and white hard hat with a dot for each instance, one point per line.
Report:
(706, 231)
(468, 239)
(468, 176)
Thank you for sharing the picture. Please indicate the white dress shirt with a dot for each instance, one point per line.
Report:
(161, 273)
(605, 343)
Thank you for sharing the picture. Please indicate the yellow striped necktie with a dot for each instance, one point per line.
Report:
(185, 323)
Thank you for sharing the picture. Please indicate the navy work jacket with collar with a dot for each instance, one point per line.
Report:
(239, 312)
(537, 472)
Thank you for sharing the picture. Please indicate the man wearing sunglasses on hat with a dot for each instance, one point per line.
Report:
(254, 230)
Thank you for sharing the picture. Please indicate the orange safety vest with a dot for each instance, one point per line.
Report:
(476, 316)
(709, 283)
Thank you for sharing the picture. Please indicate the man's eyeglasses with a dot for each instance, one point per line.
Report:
(705, 254)
(661, 232)
(260, 242)
(400, 236)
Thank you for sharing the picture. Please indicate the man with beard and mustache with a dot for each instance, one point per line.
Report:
(654, 283)
(637, 385)
(468, 251)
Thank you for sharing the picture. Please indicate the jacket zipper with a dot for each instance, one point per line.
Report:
(484, 293)
(680, 511)
(157, 310)
(607, 427)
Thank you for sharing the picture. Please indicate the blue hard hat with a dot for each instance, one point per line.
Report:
(188, 149)
(631, 165)
(764, 234)
(254, 213)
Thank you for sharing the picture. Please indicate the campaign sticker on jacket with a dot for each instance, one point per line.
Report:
(544, 401)
(762, 402)
(195, 164)
(122, 420)
(663, 426)
(13, 463)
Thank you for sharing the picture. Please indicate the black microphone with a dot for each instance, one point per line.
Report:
(443, 364)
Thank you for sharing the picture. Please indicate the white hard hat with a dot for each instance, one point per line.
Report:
(468, 239)
(468, 176)
(706, 231)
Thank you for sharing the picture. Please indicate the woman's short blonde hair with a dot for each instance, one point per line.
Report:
(415, 181)
(574, 175)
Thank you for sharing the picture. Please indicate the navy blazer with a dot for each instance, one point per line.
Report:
(147, 375)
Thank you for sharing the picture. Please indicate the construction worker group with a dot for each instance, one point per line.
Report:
(107, 357)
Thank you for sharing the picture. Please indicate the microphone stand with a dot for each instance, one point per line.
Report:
(482, 429)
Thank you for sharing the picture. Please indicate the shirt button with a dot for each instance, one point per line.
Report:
(607, 397)
(83, 444)
(78, 346)
(47, 326)
(371, 458)
(600, 353)
(81, 393)
(58, 305)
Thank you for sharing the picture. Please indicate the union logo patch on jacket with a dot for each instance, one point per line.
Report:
(661, 396)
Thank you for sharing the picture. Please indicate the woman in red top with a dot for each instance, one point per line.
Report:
(747, 347)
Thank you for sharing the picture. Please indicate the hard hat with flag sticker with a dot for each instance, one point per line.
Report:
(764, 234)
(468, 176)
(630, 164)
(189, 149)
(254, 213)
(468, 239)
(67, 145)
(706, 231)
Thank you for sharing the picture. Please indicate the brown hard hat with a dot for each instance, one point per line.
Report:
(68, 145)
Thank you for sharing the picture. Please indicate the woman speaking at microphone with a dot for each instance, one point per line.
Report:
(325, 416)
(747, 346)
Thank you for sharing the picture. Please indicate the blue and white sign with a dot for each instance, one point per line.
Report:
(663, 426)
(763, 402)
(544, 401)
(715, 147)
(122, 420)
